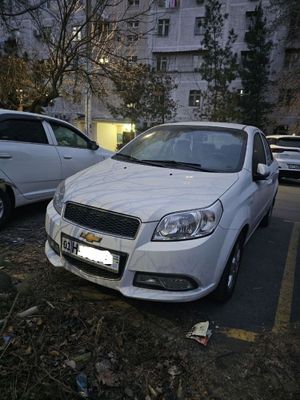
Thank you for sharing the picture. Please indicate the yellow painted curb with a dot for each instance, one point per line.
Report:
(284, 305)
(240, 334)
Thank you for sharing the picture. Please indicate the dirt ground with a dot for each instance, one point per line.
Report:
(115, 348)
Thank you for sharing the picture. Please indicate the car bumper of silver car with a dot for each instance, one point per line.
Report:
(163, 271)
(289, 169)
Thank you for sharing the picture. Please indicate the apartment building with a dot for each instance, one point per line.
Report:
(167, 35)
(173, 46)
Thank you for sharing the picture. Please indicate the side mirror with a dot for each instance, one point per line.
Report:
(262, 172)
(92, 145)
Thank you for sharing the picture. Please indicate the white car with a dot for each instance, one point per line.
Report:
(286, 151)
(36, 153)
(166, 218)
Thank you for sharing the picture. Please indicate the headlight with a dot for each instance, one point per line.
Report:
(190, 224)
(58, 197)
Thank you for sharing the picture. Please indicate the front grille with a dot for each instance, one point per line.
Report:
(102, 220)
(95, 270)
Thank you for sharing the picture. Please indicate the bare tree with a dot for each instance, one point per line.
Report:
(75, 46)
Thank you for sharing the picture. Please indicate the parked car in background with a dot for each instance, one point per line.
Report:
(286, 151)
(36, 153)
(167, 217)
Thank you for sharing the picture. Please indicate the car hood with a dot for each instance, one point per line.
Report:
(144, 191)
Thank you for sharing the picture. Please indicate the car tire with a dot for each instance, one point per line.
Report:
(227, 283)
(5, 207)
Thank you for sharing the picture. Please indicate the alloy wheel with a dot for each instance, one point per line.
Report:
(1, 208)
(234, 266)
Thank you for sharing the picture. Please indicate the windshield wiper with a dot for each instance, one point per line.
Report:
(173, 163)
(126, 157)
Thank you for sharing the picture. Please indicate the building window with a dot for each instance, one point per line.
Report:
(132, 59)
(104, 28)
(292, 58)
(168, 3)
(132, 38)
(161, 63)
(250, 18)
(133, 24)
(245, 57)
(199, 26)
(76, 33)
(46, 33)
(194, 98)
(163, 27)
(133, 2)
(197, 61)
(294, 25)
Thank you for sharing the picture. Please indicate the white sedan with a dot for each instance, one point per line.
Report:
(166, 218)
(286, 151)
(36, 153)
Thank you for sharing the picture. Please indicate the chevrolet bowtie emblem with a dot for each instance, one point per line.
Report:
(90, 237)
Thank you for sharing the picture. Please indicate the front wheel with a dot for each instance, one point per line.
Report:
(5, 207)
(228, 279)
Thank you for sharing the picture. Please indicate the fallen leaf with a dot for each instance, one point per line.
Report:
(53, 353)
(70, 363)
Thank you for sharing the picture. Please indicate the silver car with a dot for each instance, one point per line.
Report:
(167, 217)
(36, 153)
(286, 150)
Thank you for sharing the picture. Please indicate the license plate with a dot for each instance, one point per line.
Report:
(294, 166)
(101, 258)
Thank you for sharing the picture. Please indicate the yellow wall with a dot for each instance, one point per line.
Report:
(107, 133)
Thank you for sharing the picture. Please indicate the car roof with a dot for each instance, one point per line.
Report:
(209, 124)
(34, 115)
(283, 136)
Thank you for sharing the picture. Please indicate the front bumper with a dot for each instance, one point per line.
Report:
(201, 260)
(290, 169)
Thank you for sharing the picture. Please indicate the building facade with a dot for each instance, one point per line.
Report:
(166, 35)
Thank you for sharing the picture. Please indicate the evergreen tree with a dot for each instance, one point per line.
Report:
(144, 95)
(255, 72)
(219, 66)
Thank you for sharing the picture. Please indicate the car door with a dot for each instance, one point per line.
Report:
(28, 157)
(73, 148)
(261, 187)
(272, 180)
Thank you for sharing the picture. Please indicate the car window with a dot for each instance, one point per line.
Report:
(269, 156)
(213, 149)
(259, 156)
(25, 130)
(67, 137)
(288, 142)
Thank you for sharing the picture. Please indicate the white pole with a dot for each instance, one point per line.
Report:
(88, 92)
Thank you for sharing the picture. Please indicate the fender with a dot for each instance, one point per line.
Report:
(6, 183)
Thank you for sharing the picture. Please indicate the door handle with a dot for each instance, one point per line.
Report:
(6, 156)
(68, 157)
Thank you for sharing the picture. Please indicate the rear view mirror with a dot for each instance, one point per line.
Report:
(93, 145)
(262, 172)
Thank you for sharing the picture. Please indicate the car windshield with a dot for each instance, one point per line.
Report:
(187, 147)
(286, 142)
